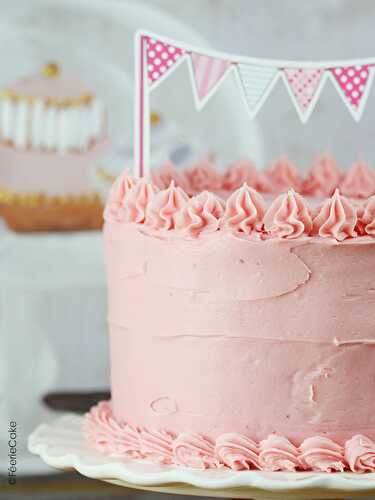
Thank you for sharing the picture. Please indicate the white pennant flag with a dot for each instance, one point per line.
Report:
(257, 83)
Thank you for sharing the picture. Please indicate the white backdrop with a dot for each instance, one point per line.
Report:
(292, 29)
(52, 287)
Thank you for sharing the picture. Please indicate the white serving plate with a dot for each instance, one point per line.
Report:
(62, 445)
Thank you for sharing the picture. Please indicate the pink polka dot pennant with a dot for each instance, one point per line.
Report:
(353, 84)
(161, 57)
(303, 84)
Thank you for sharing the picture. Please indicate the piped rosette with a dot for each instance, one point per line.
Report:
(288, 216)
(244, 212)
(231, 450)
(337, 218)
(164, 206)
(323, 178)
(359, 182)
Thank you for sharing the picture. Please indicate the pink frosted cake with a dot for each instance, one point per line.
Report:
(51, 130)
(241, 315)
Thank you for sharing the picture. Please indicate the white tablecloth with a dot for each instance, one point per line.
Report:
(52, 323)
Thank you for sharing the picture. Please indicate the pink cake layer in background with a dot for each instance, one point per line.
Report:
(48, 173)
(242, 331)
(40, 86)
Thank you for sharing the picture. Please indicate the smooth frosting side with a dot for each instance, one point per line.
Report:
(232, 450)
(224, 321)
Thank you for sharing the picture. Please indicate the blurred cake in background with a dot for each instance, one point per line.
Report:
(52, 128)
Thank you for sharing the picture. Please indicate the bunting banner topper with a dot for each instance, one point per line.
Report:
(157, 57)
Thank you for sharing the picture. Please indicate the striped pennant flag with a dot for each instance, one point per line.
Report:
(207, 73)
(353, 84)
(257, 83)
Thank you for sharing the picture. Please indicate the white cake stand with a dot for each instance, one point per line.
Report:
(62, 445)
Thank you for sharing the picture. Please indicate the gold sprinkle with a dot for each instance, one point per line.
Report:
(155, 118)
(105, 175)
(41, 199)
(51, 70)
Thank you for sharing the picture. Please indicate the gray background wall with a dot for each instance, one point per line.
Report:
(295, 29)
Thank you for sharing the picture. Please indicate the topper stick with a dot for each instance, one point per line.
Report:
(142, 113)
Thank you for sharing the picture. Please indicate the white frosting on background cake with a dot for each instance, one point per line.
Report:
(51, 113)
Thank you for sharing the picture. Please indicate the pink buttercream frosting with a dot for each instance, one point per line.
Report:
(244, 210)
(278, 453)
(157, 445)
(164, 206)
(359, 182)
(288, 216)
(114, 210)
(163, 176)
(366, 218)
(194, 451)
(233, 450)
(110, 436)
(202, 176)
(240, 172)
(201, 215)
(137, 200)
(237, 452)
(323, 178)
(360, 454)
(283, 175)
(322, 454)
(336, 218)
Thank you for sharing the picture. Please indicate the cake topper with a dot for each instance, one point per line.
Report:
(157, 57)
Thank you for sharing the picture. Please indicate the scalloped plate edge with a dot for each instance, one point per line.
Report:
(42, 442)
